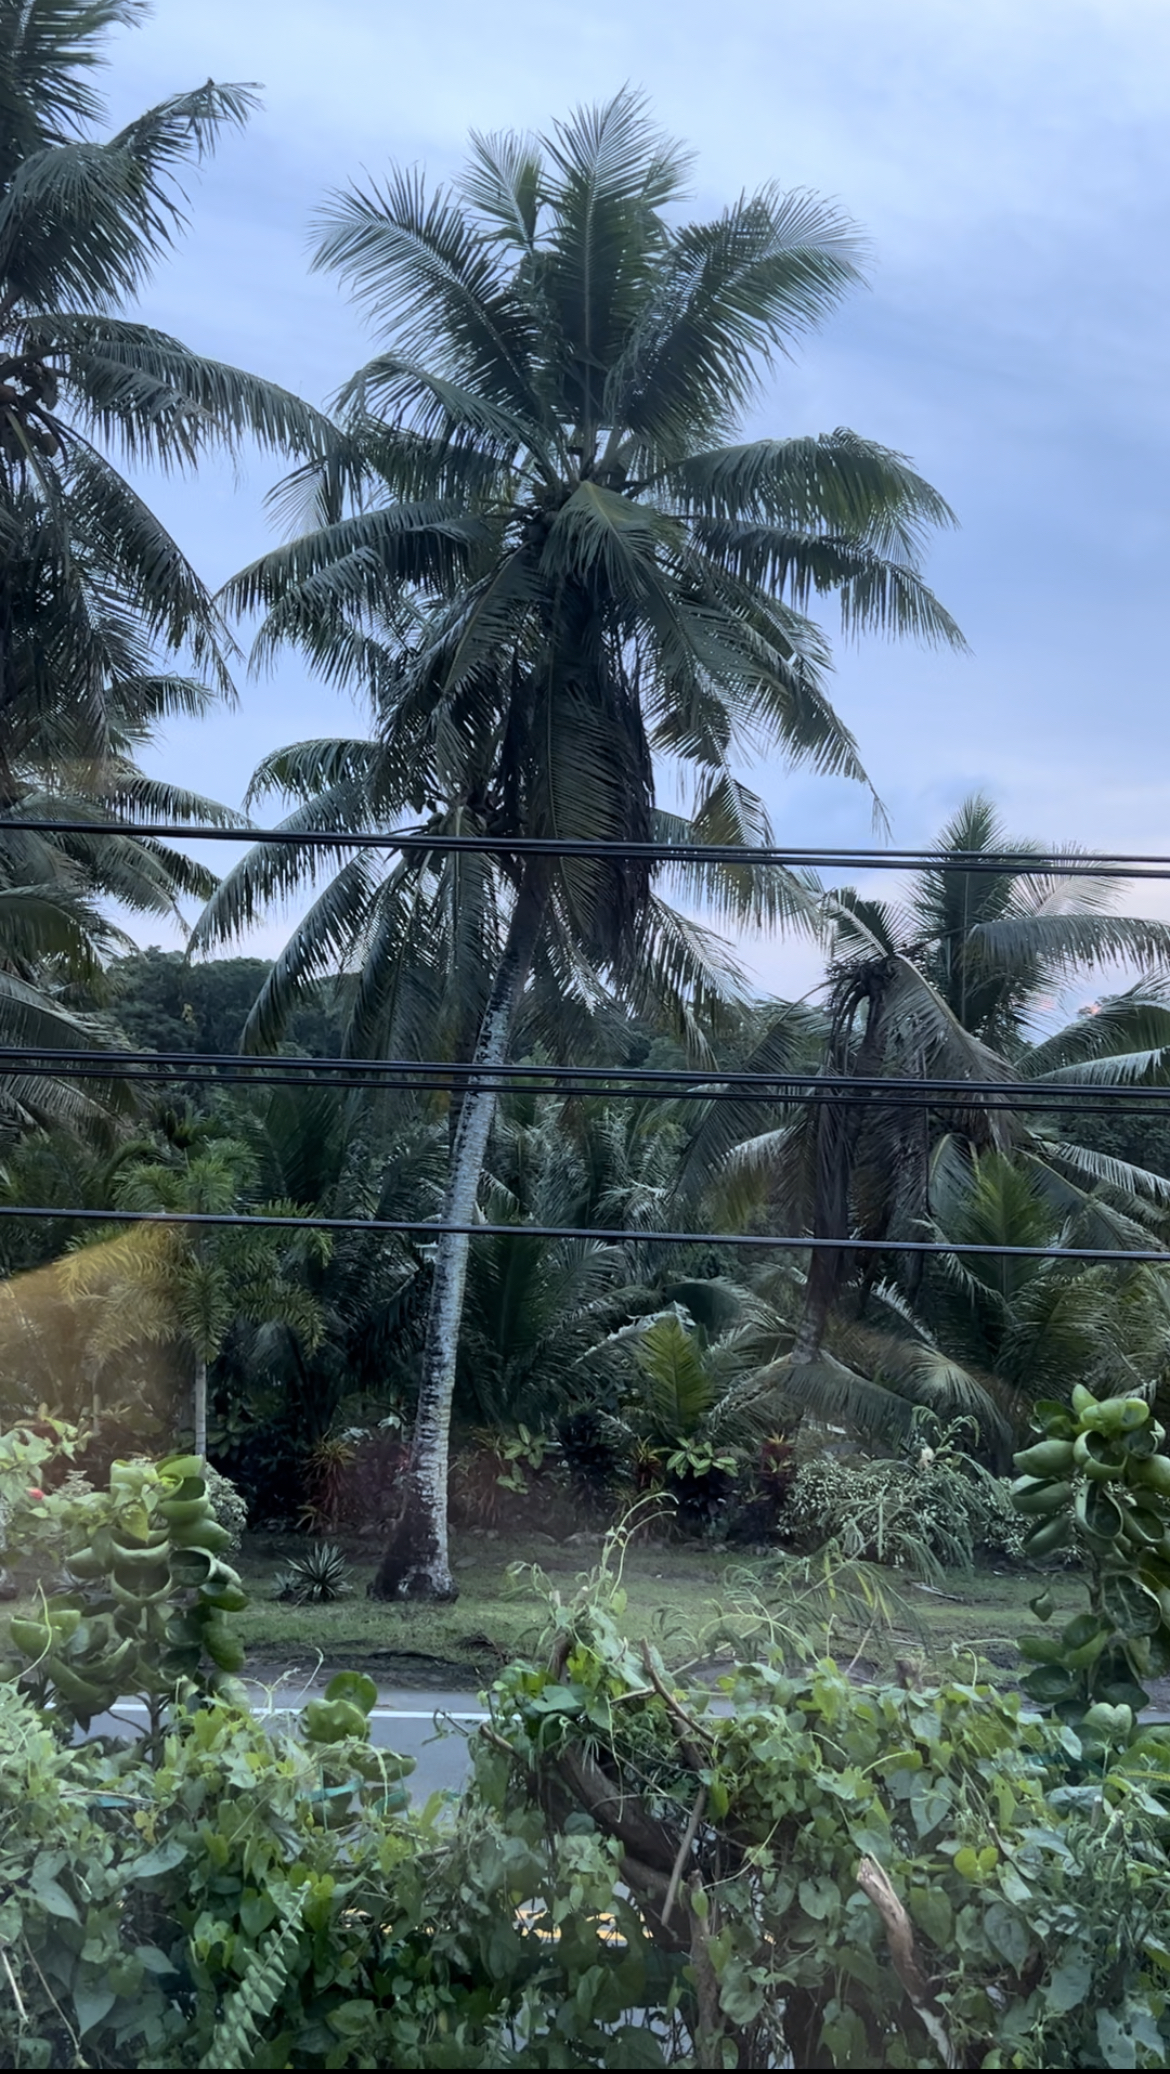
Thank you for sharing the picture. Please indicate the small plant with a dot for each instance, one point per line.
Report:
(147, 1598)
(349, 1477)
(1098, 1480)
(327, 1474)
(231, 1512)
(317, 1577)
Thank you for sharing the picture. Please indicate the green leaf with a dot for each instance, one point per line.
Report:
(1049, 1684)
(92, 2003)
(931, 1910)
(1130, 1606)
(1007, 1934)
(163, 1858)
(355, 1687)
(1117, 2045)
(51, 1894)
(1070, 1983)
(350, 2019)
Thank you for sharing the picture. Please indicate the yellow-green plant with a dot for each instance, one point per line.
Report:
(145, 1598)
(1097, 1480)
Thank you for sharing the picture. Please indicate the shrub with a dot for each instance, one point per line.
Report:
(228, 1505)
(815, 1873)
(936, 1511)
(350, 1478)
(511, 1480)
(317, 1577)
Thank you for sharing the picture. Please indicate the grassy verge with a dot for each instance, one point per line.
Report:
(692, 1603)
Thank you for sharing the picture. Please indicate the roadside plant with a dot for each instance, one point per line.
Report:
(144, 1601)
(317, 1577)
(1098, 1481)
(933, 1509)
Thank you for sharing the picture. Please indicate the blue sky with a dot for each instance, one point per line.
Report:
(1010, 164)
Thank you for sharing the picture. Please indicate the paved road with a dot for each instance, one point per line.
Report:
(431, 1727)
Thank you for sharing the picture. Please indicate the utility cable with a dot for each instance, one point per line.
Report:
(664, 1083)
(1025, 863)
(615, 1235)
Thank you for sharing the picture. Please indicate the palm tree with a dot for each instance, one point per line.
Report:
(543, 548)
(953, 984)
(535, 1307)
(1035, 1325)
(105, 628)
(189, 1285)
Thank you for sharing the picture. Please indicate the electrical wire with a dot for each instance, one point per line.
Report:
(652, 1082)
(566, 1087)
(599, 1234)
(1025, 863)
(452, 1078)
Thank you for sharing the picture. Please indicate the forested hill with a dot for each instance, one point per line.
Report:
(163, 1002)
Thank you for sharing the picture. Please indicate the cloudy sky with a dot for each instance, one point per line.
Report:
(1010, 163)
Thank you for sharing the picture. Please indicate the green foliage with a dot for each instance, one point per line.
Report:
(1099, 1481)
(712, 1859)
(316, 1577)
(146, 1601)
(229, 1510)
(164, 1001)
(218, 1906)
(933, 1510)
(814, 1873)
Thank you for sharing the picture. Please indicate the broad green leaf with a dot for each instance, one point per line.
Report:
(1070, 1983)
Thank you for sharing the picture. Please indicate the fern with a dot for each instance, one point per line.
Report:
(236, 2038)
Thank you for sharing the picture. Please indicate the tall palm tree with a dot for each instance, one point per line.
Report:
(105, 628)
(953, 983)
(542, 545)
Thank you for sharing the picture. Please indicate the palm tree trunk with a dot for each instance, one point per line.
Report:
(837, 1136)
(201, 1407)
(415, 1564)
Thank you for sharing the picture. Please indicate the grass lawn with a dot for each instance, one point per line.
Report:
(691, 1602)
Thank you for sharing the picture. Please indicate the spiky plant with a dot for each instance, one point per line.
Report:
(317, 1577)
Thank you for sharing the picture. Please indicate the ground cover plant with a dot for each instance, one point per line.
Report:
(816, 1870)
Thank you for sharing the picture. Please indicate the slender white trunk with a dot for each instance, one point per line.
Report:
(416, 1563)
(201, 1408)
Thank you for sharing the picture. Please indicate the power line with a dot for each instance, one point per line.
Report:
(665, 1083)
(616, 1235)
(1025, 863)
(1135, 1103)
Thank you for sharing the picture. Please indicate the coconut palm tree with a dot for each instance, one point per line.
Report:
(105, 628)
(543, 547)
(953, 983)
(189, 1285)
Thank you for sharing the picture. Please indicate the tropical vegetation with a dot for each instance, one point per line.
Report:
(578, 602)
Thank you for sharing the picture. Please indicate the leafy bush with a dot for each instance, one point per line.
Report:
(317, 1577)
(228, 1506)
(146, 1598)
(511, 1478)
(214, 1907)
(825, 1875)
(350, 1477)
(935, 1511)
(818, 1873)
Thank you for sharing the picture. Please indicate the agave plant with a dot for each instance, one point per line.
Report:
(315, 1578)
